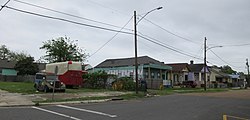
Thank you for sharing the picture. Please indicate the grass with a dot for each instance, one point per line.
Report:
(73, 99)
(125, 97)
(27, 88)
(18, 87)
(81, 90)
(185, 90)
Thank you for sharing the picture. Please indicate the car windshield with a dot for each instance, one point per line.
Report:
(39, 76)
(51, 77)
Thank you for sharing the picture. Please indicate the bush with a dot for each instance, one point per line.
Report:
(95, 80)
(124, 83)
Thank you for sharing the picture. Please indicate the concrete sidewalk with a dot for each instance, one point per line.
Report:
(15, 99)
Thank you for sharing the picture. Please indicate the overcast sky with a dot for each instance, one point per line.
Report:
(224, 23)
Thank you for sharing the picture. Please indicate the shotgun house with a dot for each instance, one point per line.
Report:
(218, 78)
(197, 73)
(149, 69)
(180, 73)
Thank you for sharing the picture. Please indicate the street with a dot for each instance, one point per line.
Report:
(171, 107)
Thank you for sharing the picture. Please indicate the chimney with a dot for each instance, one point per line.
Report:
(191, 62)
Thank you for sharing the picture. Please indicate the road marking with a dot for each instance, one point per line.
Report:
(90, 111)
(56, 113)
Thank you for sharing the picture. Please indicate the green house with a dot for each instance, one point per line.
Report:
(149, 69)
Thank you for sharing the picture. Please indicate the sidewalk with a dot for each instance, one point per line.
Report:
(15, 99)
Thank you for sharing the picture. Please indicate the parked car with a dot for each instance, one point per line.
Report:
(45, 82)
(189, 84)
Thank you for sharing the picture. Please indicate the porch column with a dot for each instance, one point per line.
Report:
(161, 74)
(149, 78)
(199, 76)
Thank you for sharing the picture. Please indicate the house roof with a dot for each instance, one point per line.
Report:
(178, 66)
(218, 71)
(196, 67)
(7, 64)
(128, 62)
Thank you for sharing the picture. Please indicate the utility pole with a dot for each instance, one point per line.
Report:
(136, 63)
(248, 81)
(4, 5)
(205, 65)
(135, 30)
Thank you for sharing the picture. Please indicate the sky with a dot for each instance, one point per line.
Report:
(179, 29)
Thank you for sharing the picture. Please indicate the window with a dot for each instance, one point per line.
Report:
(163, 77)
(146, 74)
(152, 75)
(158, 75)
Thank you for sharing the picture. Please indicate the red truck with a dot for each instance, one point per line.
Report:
(70, 73)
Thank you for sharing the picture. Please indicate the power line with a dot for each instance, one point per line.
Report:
(165, 46)
(70, 21)
(71, 15)
(110, 38)
(186, 39)
(107, 29)
(4, 5)
(222, 59)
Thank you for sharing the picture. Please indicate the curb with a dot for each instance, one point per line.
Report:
(57, 103)
(73, 102)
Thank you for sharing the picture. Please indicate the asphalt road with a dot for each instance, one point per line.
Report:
(171, 107)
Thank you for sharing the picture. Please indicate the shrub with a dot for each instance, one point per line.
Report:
(124, 83)
(95, 80)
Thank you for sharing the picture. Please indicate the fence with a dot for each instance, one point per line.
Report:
(19, 78)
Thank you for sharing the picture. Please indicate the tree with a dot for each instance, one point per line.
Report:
(4, 52)
(62, 49)
(15, 56)
(26, 66)
(227, 69)
(7, 54)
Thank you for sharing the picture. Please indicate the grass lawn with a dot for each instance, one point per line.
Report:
(168, 91)
(18, 87)
(27, 88)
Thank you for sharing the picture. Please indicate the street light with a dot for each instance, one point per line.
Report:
(135, 30)
(205, 61)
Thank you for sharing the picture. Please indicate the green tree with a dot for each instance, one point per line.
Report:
(4, 52)
(15, 56)
(227, 69)
(26, 66)
(62, 49)
(7, 54)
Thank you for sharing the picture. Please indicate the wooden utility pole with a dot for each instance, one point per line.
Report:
(248, 81)
(136, 63)
(205, 65)
(4, 5)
